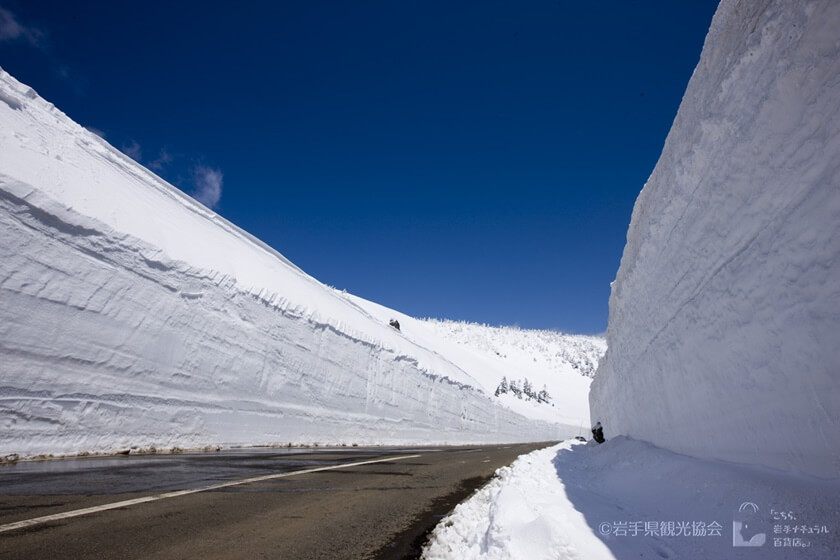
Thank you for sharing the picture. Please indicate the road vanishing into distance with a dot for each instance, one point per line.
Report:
(295, 503)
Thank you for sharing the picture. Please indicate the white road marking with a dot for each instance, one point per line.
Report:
(86, 511)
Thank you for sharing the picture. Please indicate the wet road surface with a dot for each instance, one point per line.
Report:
(376, 503)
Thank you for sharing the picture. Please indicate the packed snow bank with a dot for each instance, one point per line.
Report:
(522, 513)
(628, 499)
(131, 315)
(725, 311)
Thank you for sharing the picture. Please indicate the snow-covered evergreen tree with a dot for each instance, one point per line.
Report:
(527, 388)
(523, 389)
(503, 387)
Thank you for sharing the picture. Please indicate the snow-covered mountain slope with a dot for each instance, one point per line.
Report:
(724, 316)
(131, 315)
(560, 363)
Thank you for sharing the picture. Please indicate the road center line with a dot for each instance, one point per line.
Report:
(126, 503)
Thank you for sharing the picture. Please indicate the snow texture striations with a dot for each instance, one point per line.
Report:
(725, 313)
(130, 315)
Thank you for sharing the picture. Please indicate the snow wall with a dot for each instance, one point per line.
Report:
(725, 313)
(131, 315)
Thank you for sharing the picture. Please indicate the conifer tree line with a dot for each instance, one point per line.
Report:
(523, 390)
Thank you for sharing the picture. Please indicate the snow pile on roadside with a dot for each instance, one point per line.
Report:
(628, 499)
(522, 513)
(725, 311)
(131, 315)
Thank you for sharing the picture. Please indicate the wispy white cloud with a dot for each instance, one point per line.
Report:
(96, 131)
(159, 163)
(12, 30)
(133, 150)
(208, 185)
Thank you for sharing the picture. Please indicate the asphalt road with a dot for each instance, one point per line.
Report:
(376, 503)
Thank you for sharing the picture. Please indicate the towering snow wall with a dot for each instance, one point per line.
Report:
(130, 315)
(724, 329)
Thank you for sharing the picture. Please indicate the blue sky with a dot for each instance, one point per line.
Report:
(468, 160)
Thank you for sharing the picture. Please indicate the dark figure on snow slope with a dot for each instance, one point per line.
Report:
(598, 432)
